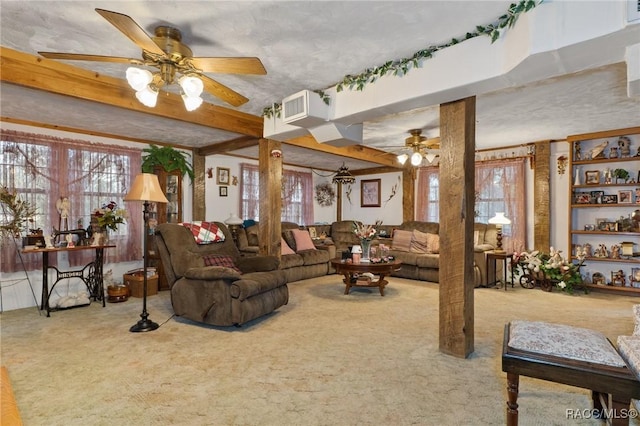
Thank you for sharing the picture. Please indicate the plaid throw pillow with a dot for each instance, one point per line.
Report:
(220, 260)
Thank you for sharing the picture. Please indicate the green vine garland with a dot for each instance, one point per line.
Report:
(401, 67)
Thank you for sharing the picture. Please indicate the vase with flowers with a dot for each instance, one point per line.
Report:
(106, 218)
(366, 233)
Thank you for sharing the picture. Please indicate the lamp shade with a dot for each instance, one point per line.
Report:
(233, 219)
(191, 103)
(191, 85)
(402, 158)
(138, 78)
(146, 188)
(430, 157)
(416, 159)
(148, 96)
(356, 249)
(499, 219)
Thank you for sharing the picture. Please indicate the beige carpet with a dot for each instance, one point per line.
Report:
(323, 359)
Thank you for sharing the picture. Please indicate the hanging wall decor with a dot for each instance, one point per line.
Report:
(325, 194)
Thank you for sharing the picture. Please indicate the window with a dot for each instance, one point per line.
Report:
(42, 169)
(297, 195)
(500, 187)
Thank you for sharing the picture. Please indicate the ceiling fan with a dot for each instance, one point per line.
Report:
(421, 147)
(175, 63)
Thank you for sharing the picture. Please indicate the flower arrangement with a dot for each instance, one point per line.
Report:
(560, 271)
(109, 216)
(366, 232)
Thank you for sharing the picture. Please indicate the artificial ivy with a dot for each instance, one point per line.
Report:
(401, 67)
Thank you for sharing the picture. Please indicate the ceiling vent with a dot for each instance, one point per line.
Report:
(633, 10)
(304, 109)
(337, 134)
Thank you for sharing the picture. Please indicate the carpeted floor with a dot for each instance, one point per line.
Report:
(323, 359)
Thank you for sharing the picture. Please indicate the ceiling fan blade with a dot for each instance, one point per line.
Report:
(223, 92)
(132, 30)
(229, 65)
(95, 58)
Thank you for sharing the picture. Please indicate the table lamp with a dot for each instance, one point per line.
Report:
(499, 220)
(145, 188)
(234, 222)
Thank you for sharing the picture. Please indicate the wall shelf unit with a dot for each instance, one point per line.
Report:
(602, 206)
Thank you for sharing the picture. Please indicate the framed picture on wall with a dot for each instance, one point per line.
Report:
(370, 193)
(222, 175)
(624, 196)
(223, 191)
(592, 177)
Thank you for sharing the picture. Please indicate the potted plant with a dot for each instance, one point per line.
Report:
(167, 157)
(621, 174)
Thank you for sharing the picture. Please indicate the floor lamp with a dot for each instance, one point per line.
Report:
(145, 188)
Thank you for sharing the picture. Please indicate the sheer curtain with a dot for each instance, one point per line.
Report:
(42, 169)
(297, 195)
(500, 187)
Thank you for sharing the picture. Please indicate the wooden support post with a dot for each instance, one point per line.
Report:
(408, 193)
(457, 178)
(198, 206)
(339, 202)
(541, 197)
(270, 172)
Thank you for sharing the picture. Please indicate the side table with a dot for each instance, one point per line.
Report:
(492, 259)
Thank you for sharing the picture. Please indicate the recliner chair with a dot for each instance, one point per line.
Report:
(218, 295)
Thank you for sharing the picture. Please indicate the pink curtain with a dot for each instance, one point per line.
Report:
(500, 187)
(42, 169)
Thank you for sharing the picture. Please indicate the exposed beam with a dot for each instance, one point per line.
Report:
(230, 145)
(57, 77)
(359, 152)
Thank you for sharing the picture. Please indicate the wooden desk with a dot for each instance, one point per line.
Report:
(90, 274)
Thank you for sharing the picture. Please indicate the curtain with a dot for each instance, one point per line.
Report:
(42, 169)
(297, 195)
(500, 187)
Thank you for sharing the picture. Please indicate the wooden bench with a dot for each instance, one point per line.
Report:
(612, 387)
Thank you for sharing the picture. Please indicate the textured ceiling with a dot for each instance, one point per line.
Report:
(303, 45)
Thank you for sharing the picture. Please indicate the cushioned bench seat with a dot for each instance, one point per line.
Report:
(569, 355)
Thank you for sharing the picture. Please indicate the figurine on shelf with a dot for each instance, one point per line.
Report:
(624, 145)
(597, 152)
(602, 251)
(618, 278)
(613, 152)
(608, 176)
(615, 252)
(578, 154)
(586, 249)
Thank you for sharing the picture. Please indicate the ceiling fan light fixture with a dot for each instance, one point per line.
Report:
(138, 78)
(430, 157)
(148, 96)
(191, 103)
(191, 85)
(416, 159)
(402, 158)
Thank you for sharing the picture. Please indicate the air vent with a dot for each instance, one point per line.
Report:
(633, 10)
(304, 109)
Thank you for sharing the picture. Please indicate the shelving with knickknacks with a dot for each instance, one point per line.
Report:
(604, 212)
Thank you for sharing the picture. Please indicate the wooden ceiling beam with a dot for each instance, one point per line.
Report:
(56, 77)
(227, 146)
(358, 152)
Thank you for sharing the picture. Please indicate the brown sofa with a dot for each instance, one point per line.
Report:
(218, 295)
(303, 264)
(419, 266)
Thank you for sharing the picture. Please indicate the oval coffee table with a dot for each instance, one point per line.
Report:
(351, 270)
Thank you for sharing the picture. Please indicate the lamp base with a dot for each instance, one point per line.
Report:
(144, 325)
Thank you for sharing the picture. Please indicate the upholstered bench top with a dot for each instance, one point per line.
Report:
(563, 341)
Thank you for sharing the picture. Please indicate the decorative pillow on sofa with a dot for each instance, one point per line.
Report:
(401, 240)
(220, 260)
(205, 232)
(303, 240)
(433, 242)
(476, 237)
(284, 247)
(419, 242)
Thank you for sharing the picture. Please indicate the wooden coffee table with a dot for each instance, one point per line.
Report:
(351, 270)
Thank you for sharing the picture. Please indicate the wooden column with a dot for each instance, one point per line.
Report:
(339, 202)
(270, 223)
(198, 188)
(457, 178)
(408, 193)
(541, 194)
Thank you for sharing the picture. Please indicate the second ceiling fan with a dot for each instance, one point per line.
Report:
(174, 62)
(420, 147)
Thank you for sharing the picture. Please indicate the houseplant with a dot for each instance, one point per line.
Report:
(167, 157)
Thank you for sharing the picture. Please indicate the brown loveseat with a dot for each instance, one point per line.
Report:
(302, 264)
(218, 295)
(419, 265)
